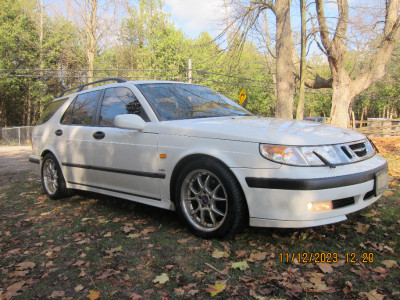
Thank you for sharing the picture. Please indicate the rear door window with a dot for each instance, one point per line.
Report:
(118, 101)
(82, 110)
(50, 110)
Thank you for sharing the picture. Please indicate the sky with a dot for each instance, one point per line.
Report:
(195, 16)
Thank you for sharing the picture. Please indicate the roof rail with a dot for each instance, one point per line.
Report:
(80, 87)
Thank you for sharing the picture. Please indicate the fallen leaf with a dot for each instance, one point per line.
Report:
(57, 294)
(78, 263)
(361, 228)
(219, 254)
(134, 296)
(348, 288)
(25, 265)
(388, 193)
(184, 241)
(78, 288)
(163, 278)
(258, 256)
(133, 235)
(241, 253)
(87, 219)
(127, 229)
(215, 289)
(198, 274)
(255, 296)
(242, 265)
(193, 292)
(93, 295)
(51, 254)
(380, 270)
(82, 273)
(13, 290)
(325, 267)
(108, 234)
(18, 274)
(372, 295)
(113, 250)
(179, 291)
(148, 230)
(390, 264)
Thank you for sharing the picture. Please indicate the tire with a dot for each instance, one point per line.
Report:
(209, 200)
(52, 178)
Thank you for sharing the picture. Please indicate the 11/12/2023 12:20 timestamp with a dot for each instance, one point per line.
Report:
(326, 257)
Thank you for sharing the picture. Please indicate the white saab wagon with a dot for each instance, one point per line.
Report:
(188, 148)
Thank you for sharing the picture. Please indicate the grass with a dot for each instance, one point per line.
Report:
(117, 248)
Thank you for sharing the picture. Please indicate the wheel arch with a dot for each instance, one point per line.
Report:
(192, 157)
(50, 151)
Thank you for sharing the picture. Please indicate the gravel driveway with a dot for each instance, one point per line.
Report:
(13, 161)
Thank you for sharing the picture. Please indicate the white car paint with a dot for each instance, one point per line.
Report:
(232, 140)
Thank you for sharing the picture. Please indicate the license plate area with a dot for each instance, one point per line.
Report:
(381, 181)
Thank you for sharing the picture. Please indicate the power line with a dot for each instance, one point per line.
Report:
(62, 76)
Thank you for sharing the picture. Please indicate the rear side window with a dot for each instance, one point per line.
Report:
(118, 101)
(82, 110)
(50, 110)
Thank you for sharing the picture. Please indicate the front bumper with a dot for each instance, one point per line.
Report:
(281, 197)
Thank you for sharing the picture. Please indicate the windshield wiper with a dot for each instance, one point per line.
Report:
(324, 160)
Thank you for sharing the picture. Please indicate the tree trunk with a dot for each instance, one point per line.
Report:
(343, 88)
(300, 104)
(284, 48)
(342, 96)
(91, 35)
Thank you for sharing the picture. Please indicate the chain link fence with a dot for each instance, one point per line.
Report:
(16, 136)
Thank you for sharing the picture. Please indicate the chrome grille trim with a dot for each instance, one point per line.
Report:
(357, 151)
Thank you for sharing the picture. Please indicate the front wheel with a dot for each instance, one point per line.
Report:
(52, 178)
(209, 199)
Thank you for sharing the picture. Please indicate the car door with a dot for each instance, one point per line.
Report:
(124, 161)
(74, 137)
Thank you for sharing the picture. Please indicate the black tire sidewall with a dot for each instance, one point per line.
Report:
(234, 194)
(61, 189)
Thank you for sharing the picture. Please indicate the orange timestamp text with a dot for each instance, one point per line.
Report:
(325, 257)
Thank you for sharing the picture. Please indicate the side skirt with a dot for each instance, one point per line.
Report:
(157, 202)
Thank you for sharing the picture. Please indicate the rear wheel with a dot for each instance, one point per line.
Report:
(52, 178)
(209, 199)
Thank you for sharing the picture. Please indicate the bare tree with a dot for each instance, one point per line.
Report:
(244, 17)
(344, 88)
(95, 21)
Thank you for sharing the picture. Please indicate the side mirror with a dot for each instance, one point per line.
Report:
(129, 121)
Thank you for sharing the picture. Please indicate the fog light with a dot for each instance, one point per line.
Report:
(320, 206)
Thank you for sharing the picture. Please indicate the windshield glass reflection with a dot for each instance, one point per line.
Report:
(177, 101)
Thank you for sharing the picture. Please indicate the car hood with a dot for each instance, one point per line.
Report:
(261, 130)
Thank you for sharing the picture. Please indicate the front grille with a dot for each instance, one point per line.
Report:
(347, 152)
(342, 202)
(359, 149)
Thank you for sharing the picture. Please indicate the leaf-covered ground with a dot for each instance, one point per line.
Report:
(92, 246)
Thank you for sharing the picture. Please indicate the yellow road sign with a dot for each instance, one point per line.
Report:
(242, 96)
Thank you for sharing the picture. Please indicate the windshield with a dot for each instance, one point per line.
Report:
(177, 101)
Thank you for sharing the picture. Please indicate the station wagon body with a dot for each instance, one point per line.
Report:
(185, 147)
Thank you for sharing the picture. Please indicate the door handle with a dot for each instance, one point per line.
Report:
(98, 135)
(58, 132)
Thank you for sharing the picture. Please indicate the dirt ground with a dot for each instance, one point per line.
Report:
(13, 160)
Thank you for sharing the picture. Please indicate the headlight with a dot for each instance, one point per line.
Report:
(318, 155)
(283, 154)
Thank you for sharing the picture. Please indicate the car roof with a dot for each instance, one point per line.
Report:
(134, 82)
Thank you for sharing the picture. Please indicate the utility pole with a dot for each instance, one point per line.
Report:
(190, 71)
(41, 4)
